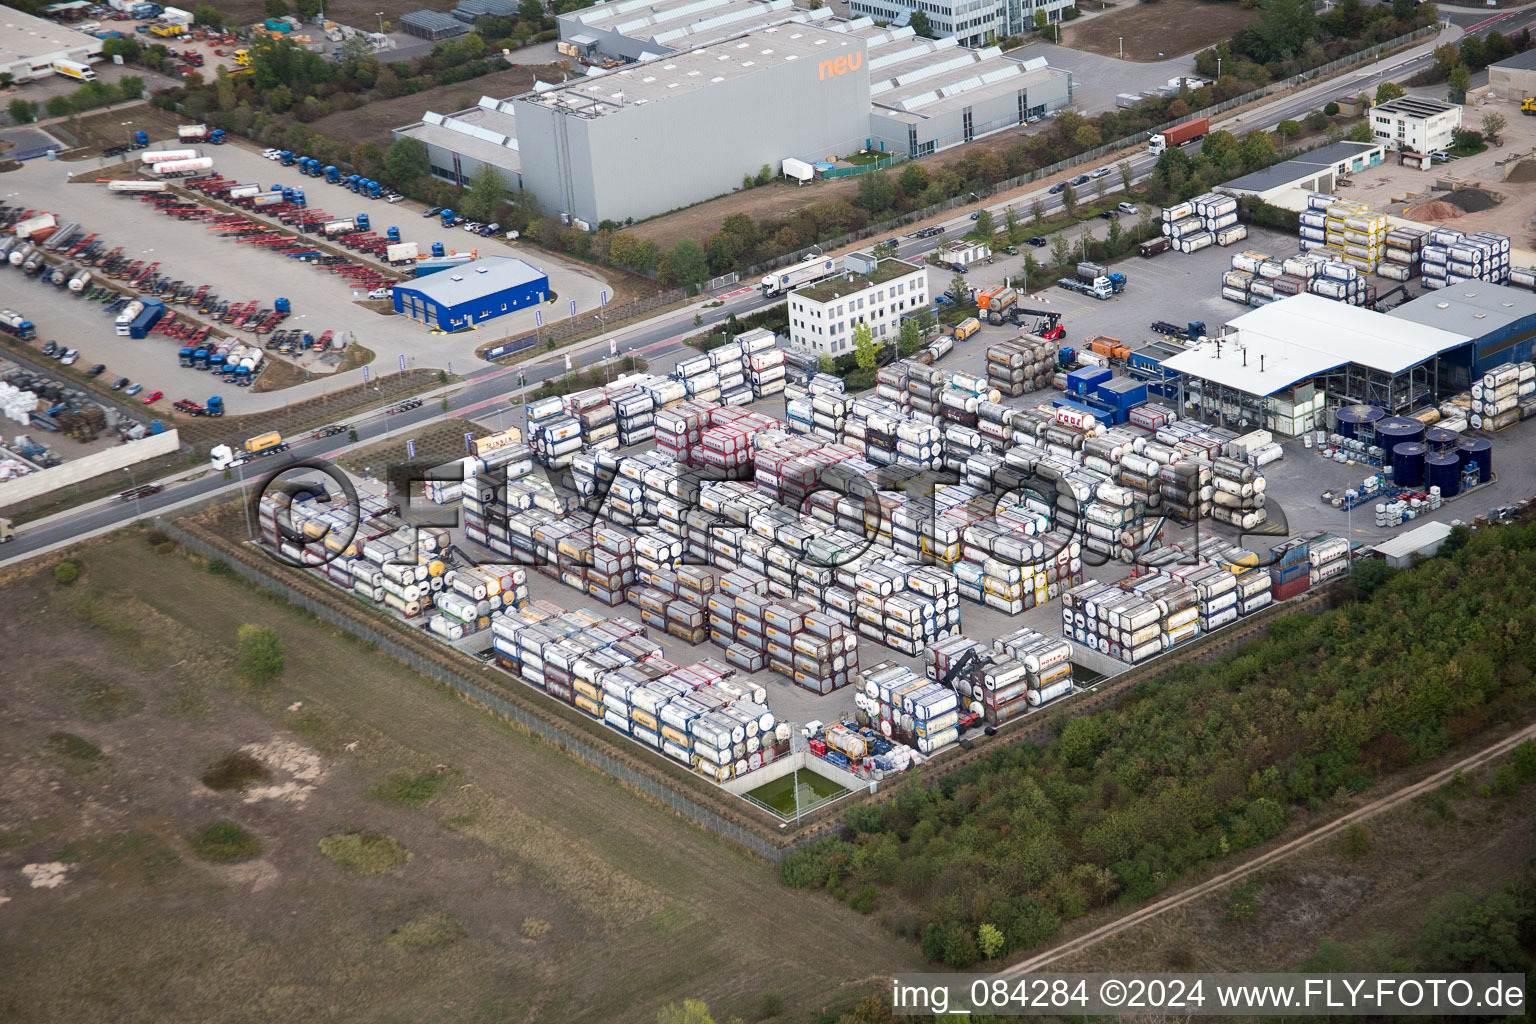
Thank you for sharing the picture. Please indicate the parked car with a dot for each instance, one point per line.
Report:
(433, 211)
(943, 300)
(381, 293)
(153, 397)
(393, 197)
(958, 268)
(134, 389)
(1101, 172)
(97, 370)
(1109, 215)
(69, 356)
(51, 349)
(270, 154)
(120, 383)
(1440, 156)
(1129, 208)
(1058, 188)
(1011, 250)
(1038, 241)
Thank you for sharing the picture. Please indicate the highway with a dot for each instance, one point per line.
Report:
(489, 387)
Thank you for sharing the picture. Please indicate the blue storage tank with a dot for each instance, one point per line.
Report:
(1408, 464)
(1392, 431)
(1477, 450)
(1356, 420)
(1082, 380)
(1439, 439)
(1444, 472)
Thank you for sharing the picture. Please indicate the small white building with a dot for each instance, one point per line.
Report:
(822, 316)
(964, 252)
(1415, 124)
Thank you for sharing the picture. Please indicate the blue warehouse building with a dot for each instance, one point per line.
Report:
(1500, 320)
(472, 293)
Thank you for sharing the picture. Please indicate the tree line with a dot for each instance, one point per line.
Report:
(1199, 762)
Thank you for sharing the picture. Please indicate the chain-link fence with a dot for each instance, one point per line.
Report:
(541, 728)
(584, 325)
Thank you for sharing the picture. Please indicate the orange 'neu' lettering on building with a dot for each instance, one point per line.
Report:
(840, 65)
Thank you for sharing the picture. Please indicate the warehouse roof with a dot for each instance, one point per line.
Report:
(1411, 543)
(1474, 308)
(1300, 337)
(434, 21)
(1519, 62)
(912, 78)
(475, 280)
(598, 95)
(23, 36)
(1299, 167)
(486, 132)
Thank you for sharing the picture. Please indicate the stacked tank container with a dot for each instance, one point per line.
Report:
(1021, 365)
(1497, 397)
(1450, 256)
(1403, 253)
(904, 706)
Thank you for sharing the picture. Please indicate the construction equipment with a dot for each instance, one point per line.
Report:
(1528, 106)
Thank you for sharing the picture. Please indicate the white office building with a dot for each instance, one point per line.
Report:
(870, 291)
(972, 22)
(1415, 124)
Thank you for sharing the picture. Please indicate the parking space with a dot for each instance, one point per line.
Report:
(321, 302)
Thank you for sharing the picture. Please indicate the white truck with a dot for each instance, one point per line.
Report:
(807, 272)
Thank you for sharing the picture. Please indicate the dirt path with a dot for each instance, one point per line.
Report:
(1152, 32)
(1332, 828)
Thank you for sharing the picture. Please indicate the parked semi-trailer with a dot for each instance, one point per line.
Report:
(155, 156)
(200, 133)
(794, 277)
(1178, 135)
(401, 254)
(183, 168)
(126, 185)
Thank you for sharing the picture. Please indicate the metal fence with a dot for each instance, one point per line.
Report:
(538, 726)
(878, 165)
(580, 326)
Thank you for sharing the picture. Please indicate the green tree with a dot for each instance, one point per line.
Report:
(765, 174)
(877, 192)
(1357, 838)
(984, 230)
(1288, 129)
(486, 194)
(60, 106)
(260, 655)
(207, 14)
(865, 354)
(1498, 47)
(1258, 150)
(909, 337)
(1061, 252)
(1389, 91)
(685, 264)
(1361, 133)
(990, 941)
(1493, 126)
(959, 288)
(1069, 199)
(125, 47)
(1286, 29)
(921, 25)
(1403, 10)
(912, 179)
(1473, 54)
(277, 8)
(308, 9)
(531, 11)
(1481, 936)
(406, 161)
(22, 111)
(1127, 175)
(1086, 137)
(693, 1011)
(1447, 56)
(1037, 212)
(1317, 121)
(66, 573)
(1458, 83)
(1011, 226)
(1042, 21)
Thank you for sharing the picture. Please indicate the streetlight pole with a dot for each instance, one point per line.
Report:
(381, 21)
(245, 503)
(1122, 47)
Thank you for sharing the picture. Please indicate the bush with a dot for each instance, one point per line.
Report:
(66, 573)
(1332, 109)
(225, 843)
(364, 853)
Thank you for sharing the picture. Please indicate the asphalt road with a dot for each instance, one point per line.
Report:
(490, 386)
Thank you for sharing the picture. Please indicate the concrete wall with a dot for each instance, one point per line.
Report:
(78, 471)
(650, 158)
(1511, 83)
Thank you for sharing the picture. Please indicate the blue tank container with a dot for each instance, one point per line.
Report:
(1408, 464)
(1444, 472)
(1356, 420)
(1439, 439)
(1477, 450)
(1392, 431)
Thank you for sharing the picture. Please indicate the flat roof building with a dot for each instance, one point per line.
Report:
(432, 25)
(1415, 124)
(29, 45)
(1499, 319)
(971, 22)
(641, 29)
(822, 316)
(472, 293)
(1316, 171)
(1284, 365)
(1513, 78)
(459, 144)
(669, 132)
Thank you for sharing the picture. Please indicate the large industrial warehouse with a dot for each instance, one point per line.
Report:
(29, 46)
(669, 132)
(473, 293)
(730, 65)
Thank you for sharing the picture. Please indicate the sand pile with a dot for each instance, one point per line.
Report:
(1525, 170)
(1433, 213)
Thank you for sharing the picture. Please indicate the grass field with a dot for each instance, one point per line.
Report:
(374, 120)
(410, 858)
(1160, 31)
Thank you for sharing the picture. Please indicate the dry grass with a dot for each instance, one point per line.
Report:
(364, 853)
(652, 909)
(1160, 31)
